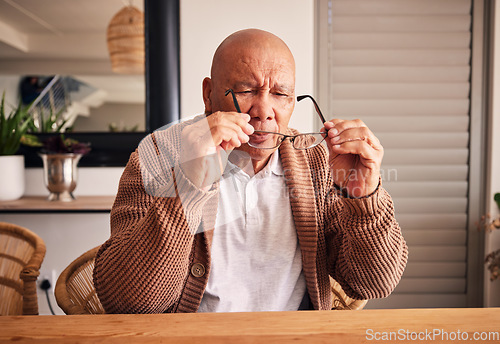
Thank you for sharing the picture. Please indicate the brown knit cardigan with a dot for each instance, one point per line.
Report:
(153, 262)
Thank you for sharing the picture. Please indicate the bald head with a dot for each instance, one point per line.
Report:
(249, 43)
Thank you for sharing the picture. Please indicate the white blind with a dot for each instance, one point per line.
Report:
(403, 67)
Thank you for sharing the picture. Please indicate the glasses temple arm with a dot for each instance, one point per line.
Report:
(299, 98)
(235, 101)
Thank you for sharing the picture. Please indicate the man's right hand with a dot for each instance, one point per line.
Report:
(206, 144)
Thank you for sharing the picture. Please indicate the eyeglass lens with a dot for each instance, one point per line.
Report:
(269, 140)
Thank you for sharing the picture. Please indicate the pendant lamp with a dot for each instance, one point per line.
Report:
(125, 37)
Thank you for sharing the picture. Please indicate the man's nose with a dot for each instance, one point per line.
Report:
(262, 108)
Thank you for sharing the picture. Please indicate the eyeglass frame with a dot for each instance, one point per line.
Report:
(292, 137)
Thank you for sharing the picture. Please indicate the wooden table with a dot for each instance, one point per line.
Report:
(343, 327)
(39, 204)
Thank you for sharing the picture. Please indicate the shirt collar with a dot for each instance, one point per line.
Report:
(273, 166)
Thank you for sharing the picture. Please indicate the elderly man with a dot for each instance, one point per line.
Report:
(234, 211)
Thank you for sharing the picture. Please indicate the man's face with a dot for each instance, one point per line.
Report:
(264, 83)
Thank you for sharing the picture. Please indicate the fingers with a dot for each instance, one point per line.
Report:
(369, 157)
(341, 131)
(354, 137)
(221, 129)
(204, 145)
(229, 130)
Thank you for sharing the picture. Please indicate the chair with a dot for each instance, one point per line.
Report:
(75, 292)
(340, 301)
(21, 255)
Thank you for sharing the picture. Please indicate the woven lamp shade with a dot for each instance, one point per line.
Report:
(125, 38)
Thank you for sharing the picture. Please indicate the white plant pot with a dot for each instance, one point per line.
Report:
(11, 177)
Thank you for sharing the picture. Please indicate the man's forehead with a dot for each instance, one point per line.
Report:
(258, 74)
(262, 65)
(265, 58)
(265, 55)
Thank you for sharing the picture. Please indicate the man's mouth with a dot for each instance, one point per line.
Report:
(259, 137)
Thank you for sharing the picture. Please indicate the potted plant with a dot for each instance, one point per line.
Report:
(13, 128)
(493, 259)
(60, 157)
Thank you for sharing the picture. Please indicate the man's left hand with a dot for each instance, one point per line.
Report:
(355, 156)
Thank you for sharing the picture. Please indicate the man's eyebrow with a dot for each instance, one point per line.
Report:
(284, 88)
(252, 85)
(244, 84)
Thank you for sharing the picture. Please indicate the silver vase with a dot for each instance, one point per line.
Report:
(60, 175)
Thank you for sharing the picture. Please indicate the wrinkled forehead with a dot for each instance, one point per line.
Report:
(245, 62)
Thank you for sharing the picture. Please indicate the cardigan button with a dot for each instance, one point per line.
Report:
(198, 270)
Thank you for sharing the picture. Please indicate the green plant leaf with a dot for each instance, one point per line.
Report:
(12, 127)
(31, 140)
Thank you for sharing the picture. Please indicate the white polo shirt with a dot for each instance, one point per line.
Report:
(256, 258)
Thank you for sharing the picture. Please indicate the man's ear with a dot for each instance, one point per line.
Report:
(207, 94)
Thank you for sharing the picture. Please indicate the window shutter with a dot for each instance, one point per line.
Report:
(403, 67)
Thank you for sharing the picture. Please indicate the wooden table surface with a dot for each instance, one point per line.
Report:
(40, 204)
(365, 326)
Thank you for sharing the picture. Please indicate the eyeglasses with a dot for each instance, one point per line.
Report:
(262, 139)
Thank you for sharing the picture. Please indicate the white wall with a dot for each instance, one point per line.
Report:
(205, 23)
(10, 85)
(492, 289)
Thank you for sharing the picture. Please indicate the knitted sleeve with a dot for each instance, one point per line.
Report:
(143, 266)
(371, 253)
(367, 253)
